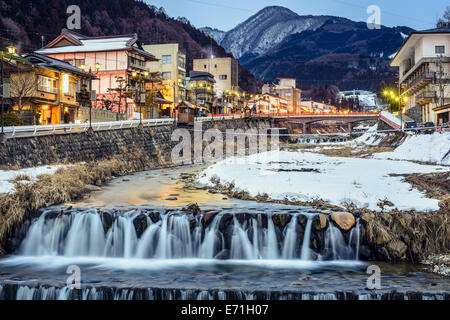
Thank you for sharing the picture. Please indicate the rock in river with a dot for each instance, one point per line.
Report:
(344, 220)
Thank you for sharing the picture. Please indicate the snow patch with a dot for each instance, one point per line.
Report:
(336, 180)
(427, 148)
(7, 175)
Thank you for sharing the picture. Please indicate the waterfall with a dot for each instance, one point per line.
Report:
(174, 235)
(339, 248)
(290, 239)
(23, 292)
(306, 240)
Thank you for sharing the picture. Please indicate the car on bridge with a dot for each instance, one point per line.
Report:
(429, 128)
(411, 126)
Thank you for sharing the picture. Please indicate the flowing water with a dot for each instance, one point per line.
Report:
(130, 246)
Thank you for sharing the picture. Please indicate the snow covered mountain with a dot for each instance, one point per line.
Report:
(264, 30)
(277, 42)
(216, 34)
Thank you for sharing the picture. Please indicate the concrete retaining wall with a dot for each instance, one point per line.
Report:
(149, 142)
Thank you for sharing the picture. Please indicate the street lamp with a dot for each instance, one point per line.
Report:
(11, 52)
(140, 79)
(97, 67)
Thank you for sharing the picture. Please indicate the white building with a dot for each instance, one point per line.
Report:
(424, 63)
(366, 99)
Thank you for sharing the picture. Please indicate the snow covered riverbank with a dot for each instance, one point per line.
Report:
(308, 176)
(6, 176)
(426, 148)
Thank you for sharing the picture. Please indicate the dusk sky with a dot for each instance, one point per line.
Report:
(226, 14)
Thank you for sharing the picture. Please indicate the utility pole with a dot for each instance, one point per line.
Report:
(440, 79)
(2, 134)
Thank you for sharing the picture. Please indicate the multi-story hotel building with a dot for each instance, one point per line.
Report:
(424, 74)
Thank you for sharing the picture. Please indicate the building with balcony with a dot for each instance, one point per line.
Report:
(424, 74)
(113, 59)
(268, 104)
(286, 89)
(224, 70)
(171, 65)
(201, 91)
(45, 90)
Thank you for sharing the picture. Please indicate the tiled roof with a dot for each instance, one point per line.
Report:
(93, 44)
(44, 61)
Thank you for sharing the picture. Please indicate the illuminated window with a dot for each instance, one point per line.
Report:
(46, 84)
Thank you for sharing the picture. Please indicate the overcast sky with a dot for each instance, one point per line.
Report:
(226, 14)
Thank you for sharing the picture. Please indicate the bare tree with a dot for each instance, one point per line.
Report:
(446, 15)
(23, 86)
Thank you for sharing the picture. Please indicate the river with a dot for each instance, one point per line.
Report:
(131, 240)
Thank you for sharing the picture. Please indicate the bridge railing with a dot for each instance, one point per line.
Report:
(73, 127)
(97, 126)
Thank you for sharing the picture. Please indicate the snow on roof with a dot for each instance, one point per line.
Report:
(91, 45)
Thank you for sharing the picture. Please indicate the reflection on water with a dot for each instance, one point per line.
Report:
(161, 187)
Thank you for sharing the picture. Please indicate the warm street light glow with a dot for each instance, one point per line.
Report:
(97, 66)
(134, 74)
(397, 98)
(405, 99)
(11, 50)
(83, 67)
(146, 73)
(386, 93)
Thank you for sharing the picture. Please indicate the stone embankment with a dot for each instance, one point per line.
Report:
(152, 144)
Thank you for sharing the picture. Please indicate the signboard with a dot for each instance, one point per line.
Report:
(6, 90)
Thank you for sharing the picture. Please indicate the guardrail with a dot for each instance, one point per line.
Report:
(67, 128)
(26, 131)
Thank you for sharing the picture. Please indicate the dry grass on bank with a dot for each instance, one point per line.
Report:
(66, 184)
(394, 236)
(422, 233)
(344, 151)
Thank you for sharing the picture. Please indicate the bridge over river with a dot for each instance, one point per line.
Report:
(303, 121)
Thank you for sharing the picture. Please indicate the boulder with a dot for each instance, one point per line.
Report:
(192, 208)
(320, 222)
(154, 216)
(344, 220)
(281, 220)
(107, 220)
(227, 219)
(140, 224)
(302, 219)
(208, 218)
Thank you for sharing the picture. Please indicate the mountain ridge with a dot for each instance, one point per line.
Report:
(290, 45)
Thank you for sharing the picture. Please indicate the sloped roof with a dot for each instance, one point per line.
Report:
(48, 62)
(198, 75)
(412, 35)
(81, 43)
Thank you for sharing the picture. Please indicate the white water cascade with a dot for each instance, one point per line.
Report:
(178, 235)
